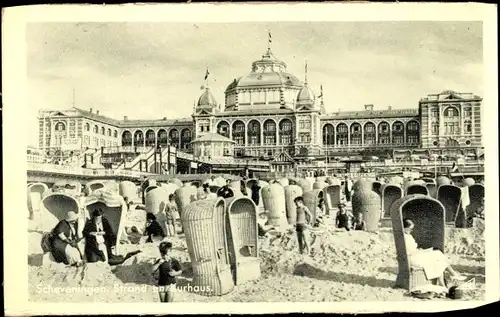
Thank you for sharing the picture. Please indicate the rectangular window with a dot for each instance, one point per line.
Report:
(286, 139)
(413, 139)
(398, 139)
(435, 128)
(301, 124)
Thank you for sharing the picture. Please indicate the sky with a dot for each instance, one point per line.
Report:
(155, 70)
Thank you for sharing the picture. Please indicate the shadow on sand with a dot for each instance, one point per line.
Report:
(308, 270)
(477, 272)
(388, 269)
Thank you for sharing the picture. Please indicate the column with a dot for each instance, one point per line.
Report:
(363, 134)
(462, 119)
(404, 133)
(277, 135)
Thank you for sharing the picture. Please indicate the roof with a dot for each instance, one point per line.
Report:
(371, 114)
(253, 112)
(450, 95)
(265, 79)
(213, 137)
(306, 94)
(207, 99)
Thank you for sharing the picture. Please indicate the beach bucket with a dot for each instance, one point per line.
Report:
(428, 215)
(332, 195)
(311, 200)
(273, 197)
(128, 189)
(183, 197)
(319, 184)
(450, 196)
(205, 228)
(305, 184)
(417, 189)
(390, 193)
(291, 192)
(114, 210)
(156, 201)
(243, 239)
(442, 180)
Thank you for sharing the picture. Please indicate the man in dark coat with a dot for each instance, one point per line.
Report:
(99, 238)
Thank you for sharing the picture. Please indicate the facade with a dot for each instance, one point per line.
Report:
(270, 114)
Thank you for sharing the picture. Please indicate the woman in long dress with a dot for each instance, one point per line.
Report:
(99, 238)
(433, 261)
(65, 241)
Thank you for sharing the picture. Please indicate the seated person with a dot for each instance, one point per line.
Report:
(153, 228)
(99, 237)
(64, 241)
(262, 226)
(431, 260)
(344, 219)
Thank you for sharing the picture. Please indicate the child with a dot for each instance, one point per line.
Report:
(343, 218)
(359, 222)
(303, 218)
(153, 228)
(320, 211)
(170, 212)
(169, 268)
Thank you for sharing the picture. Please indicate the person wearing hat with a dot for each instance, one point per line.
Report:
(65, 241)
(99, 237)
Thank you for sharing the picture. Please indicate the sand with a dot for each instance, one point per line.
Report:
(344, 266)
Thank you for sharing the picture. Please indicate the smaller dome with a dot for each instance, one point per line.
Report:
(207, 99)
(305, 94)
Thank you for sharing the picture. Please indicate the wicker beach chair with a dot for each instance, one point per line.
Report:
(428, 215)
(205, 226)
(318, 184)
(58, 205)
(283, 182)
(332, 195)
(273, 198)
(417, 189)
(73, 188)
(450, 196)
(468, 181)
(93, 185)
(367, 202)
(432, 189)
(114, 210)
(128, 189)
(443, 180)
(292, 192)
(235, 186)
(311, 200)
(333, 181)
(36, 192)
(362, 184)
(310, 179)
(183, 197)
(390, 193)
(214, 189)
(377, 187)
(304, 184)
(461, 216)
(428, 180)
(112, 185)
(476, 196)
(242, 231)
(175, 181)
(156, 201)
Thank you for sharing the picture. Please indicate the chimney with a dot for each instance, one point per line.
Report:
(164, 118)
(97, 112)
(90, 110)
(390, 107)
(125, 118)
(368, 107)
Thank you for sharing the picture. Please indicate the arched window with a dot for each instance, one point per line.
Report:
(150, 138)
(185, 139)
(162, 137)
(398, 133)
(328, 134)
(468, 126)
(109, 132)
(342, 134)
(103, 130)
(138, 138)
(87, 126)
(60, 127)
(369, 133)
(254, 132)
(174, 137)
(384, 133)
(126, 138)
(115, 134)
(451, 112)
(223, 128)
(96, 129)
(239, 132)
(285, 131)
(269, 132)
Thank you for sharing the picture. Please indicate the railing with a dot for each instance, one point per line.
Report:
(75, 170)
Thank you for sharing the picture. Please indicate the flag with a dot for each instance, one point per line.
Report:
(270, 38)
(321, 91)
(206, 74)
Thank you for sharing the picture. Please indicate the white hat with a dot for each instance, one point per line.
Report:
(71, 216)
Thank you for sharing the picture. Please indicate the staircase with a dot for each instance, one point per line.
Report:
(135, 164)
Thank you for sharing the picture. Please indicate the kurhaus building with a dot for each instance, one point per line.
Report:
(270, 113)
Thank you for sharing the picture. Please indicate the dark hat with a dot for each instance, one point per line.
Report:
(150, 216)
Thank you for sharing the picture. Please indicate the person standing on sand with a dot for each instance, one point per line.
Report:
(347, 188)
(168, 268)
(170, 212)
(303, 218)
(256, 192)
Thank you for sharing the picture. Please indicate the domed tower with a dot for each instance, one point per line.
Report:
(204, 112)
(307, 115)
(267, 86)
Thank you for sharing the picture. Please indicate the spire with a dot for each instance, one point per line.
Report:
(269, 41)
(73, 97)
(305, 81)
(321, 94)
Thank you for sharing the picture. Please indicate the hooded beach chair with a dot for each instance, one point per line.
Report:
(242, 232)
(450, 196)
(128, 189)
(428, 215)
(390, 193)
(417, 189)
(156, 202)
(311, 200)
(476, 196)
(273, 198)
(332, 195)
(36, 192)
(292, 192)
(205, 226)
